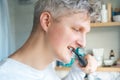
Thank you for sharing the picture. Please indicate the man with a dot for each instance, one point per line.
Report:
(58, 26)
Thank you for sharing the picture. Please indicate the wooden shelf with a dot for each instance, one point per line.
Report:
(108, 24)
(100, 69)
(109, 69)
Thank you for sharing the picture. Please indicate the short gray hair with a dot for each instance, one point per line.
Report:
(58, 7)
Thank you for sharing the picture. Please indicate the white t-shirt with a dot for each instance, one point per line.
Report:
(11, 69)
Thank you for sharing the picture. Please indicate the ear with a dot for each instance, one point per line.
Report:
(45, 20)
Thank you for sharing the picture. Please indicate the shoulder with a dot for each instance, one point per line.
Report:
(9, 70)
(4, 63)
(6, 66)
(3, 70)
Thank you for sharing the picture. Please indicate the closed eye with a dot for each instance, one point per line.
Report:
(75, 29)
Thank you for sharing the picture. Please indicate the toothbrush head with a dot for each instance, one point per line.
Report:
(80, 56)
(80, 52)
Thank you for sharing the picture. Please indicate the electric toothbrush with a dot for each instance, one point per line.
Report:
(80, 56)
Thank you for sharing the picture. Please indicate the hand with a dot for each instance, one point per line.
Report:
(91, 66)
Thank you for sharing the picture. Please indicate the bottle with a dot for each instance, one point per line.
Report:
(112, 55)
(104, 16)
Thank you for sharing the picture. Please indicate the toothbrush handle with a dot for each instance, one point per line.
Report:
(82, 61)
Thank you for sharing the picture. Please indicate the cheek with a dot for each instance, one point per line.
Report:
(62, 36)
(58, 36)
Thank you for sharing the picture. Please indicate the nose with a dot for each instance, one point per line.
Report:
(81, 41)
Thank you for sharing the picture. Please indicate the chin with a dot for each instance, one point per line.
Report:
(67, 60)
(64, 58)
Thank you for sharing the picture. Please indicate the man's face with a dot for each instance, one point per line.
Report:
(69, 32)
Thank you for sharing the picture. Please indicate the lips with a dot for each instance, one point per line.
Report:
(71, 50)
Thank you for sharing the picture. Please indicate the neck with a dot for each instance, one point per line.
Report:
(35, 52)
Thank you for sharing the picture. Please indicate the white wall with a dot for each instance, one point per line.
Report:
(115, 3)
(23, 23)
(11, 4)
(22, 17)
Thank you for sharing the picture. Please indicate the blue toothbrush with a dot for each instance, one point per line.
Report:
(80, 56)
